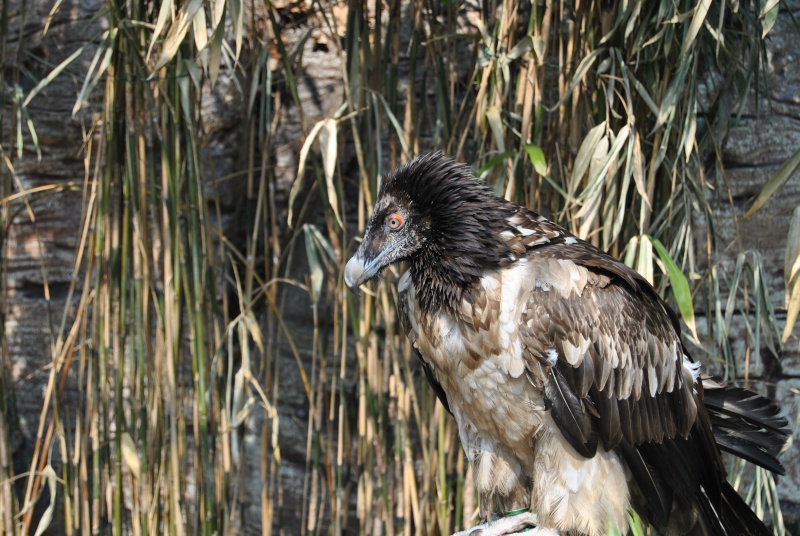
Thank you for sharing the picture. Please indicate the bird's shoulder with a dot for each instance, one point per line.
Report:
(599, 341)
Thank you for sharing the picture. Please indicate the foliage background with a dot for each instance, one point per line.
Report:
(183, 183)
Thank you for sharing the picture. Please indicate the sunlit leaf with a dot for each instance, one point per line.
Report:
(329, 147)
(791, 270)
(177, 32)
(780, 177)
(536, 155)
(164, 12)
(770, 14)
(130, 455)
(584, 156)
(53, 11)
(644, 259)
(301, 167)
(680, 285)
(698, 18)
(200, 30)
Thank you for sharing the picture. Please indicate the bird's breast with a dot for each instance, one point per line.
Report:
(476, 355)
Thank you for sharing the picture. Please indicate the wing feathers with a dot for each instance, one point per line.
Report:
(657, 495)
(569, 413)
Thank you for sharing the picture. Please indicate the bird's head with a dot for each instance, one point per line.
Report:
(433, 213)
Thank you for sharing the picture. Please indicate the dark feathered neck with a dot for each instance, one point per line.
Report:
(463, 224)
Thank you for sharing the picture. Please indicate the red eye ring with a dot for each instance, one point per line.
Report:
(394, 221)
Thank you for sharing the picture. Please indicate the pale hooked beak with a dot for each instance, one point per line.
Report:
(356, 273)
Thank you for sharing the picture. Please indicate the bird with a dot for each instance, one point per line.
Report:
(574, 397)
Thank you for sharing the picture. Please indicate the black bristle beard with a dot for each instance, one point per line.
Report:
(448, 269)
(463, 222)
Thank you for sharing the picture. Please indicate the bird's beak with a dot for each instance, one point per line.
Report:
(356, 273)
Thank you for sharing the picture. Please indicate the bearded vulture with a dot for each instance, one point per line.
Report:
(574, 396)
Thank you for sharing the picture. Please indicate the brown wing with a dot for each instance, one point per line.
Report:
(606, 354)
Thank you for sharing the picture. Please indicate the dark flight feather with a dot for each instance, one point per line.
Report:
(657, 495)
(569, 413)
(746, 424)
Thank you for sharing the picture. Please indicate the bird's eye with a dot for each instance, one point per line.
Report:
(394, 221)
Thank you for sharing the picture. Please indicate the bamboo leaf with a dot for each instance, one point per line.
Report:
(237, 14)
(200, 30)
(599, 169)
(644, 259)
(217, 13)
(580, 72)
(637, 168)
(317, 274)
(770, 14)
(699, 17)
(496, 159)
(163, 13)
(520, 48)
(783, 174)
(536, 155)
(496, 126)
(105, 51)
(53, 74)
(680, 285)
(47, 517)
(584, 156)
(791, 270)
(301, 167)
(401, 136)
(329, 145)
(177, 32)
(216, 54)
(130, 455)
(53, 11)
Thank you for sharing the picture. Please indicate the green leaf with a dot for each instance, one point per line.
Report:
(53, 74)
(494, 161)
(779, 179)
(536, 155)
(680, 285)
(103, 56)
(770, 14)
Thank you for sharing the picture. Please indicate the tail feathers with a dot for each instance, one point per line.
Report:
(746, 424)
(730, 516)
